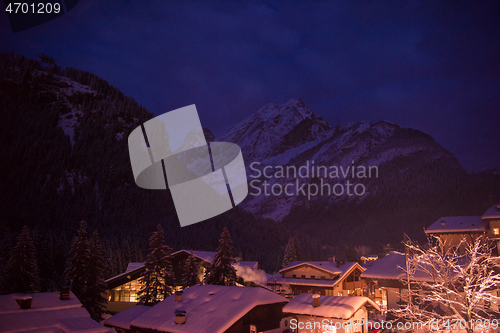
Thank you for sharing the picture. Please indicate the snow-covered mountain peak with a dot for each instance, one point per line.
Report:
(276, 128)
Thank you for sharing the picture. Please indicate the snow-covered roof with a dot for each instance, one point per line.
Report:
(208, 256)
(40, 302)
(203, 255)
(123, 318)
(327, 266)
(392, 267)
(341, 272)
(48, 314)
(339, 307)
(492, 213)
(457, 224)
(209, 308)
(389, 267)
(132, 266)
(347, 268)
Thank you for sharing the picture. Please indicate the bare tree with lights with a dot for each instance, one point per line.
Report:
(450, 286)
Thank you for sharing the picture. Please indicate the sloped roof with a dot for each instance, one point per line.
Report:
(48, 314)
(392, 267)
(203, 255)
(492, 213)
(340, 307)
(123, 318)
(132, 266)
(327, 266)
(342, 270)
(135, 269)
(209, 309)
(457, 224)
(389, 267)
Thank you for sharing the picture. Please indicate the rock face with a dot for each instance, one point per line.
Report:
(291, 136)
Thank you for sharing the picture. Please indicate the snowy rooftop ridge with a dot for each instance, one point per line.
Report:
(492, 213)
(123, 318)
(209, 308)
(327, 266)
(456, 224)
(340, 307)
(40, 302)
(47, 314)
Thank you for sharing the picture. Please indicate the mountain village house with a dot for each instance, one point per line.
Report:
(385, 276)
(452, 229)
(320, 277)
(311, 313)
(207, 309)
(122, 289)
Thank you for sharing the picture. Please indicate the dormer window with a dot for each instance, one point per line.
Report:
(303, 276)
(322, 277)
(496, 231)
(294, 276)
(313, 276)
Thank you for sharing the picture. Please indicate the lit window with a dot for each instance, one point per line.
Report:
(496, 231)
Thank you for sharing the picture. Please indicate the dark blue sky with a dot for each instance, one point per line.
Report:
(429, 65)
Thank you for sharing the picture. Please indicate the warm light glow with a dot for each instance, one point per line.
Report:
(496, 231)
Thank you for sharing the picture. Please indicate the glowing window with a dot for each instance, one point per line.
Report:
(496, 231)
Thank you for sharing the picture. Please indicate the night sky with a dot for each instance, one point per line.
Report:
(429, 65)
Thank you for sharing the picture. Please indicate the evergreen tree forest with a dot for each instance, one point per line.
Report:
(85, 272)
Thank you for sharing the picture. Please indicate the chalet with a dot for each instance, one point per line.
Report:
(386, 282)
(453, 229)
(47, 312)
(206, 308)
(314, 313)
(122, 289)
(321, 277)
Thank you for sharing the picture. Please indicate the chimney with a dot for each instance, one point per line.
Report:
(331, 258)
(178, 296)
(443, 223)
(24, 301)
(180, 317)
(316, 300)
(64, 295)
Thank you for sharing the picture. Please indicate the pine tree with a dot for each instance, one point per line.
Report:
(296, 246)
(190, 274)
(77, 266)
(292, 251)
(222, 271)
(158, 278)
(22, 273)
(95, 283)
